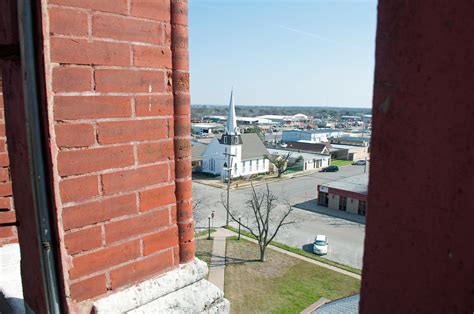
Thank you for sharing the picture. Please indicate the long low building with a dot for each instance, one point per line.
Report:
(348, 194)
(310, 161)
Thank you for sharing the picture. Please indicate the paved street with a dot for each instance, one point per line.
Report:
(346, 239)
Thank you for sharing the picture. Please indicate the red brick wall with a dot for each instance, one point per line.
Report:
(118, 99)
(7, 214)
(419, 255)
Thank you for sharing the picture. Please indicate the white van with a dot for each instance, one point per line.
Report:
(320, 245)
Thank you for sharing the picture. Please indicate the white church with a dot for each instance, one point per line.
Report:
(238, 154)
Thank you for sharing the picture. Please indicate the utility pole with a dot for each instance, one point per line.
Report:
(229, 174)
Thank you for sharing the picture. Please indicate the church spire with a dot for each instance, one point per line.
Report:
(231, 127)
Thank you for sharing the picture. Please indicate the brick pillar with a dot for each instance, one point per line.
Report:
(419, 256)
(182, 131)
(116, 86)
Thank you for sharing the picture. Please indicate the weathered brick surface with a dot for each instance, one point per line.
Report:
(7, 213)
(117, 88)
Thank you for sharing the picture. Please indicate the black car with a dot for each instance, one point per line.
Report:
(330, 169)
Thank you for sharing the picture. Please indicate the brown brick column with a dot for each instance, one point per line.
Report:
(182, 145)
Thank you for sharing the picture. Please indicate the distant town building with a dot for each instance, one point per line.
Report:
(310, 161)
(206, 128)
(239, 154)
(315, 135)
(348, 194)
(352, 140)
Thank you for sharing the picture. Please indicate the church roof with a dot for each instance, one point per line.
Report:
(252, 147)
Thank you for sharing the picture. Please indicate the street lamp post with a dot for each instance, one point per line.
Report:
(229, 174)
(239, 229)
(209, 228)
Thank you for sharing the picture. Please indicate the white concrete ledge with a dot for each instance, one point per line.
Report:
(165, 292)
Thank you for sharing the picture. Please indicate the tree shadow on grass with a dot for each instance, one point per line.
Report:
(220, 260)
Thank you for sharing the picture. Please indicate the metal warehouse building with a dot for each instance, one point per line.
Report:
(348, 194)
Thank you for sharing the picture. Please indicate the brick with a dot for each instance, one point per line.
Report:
(88, 288)
(68, 22)
(154, 152)
(78, 189)
(96, 159)
(182, 147)
(79, 51)
(132, 130)
(2, 145)
(180, 37)
(186, 252)
(72, 79)
(152, 57)
(180, 12)
(183, 168)
(7, 217)
(141, 269)
(182, 126)
(158, 197)
(152, 9)
(186, 231)
(103, 259)
(75, 135)
(127, 29)
(2, 129)
(161, 240)
(5, 203)
(5, 189)
(134, 226)
(161, 105)
(180, 59)
(4, 161)
(185, 211)
(182, 104)
(129, 180)
(4, 175)
(91, 107)
(173, 213)
(83, 240)
(98, 211)
(6, 232)
(184, 190)
(116, 6)
(181, 82)
(130, 81)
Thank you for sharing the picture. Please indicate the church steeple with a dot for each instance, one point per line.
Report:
(231, 127)
(232, 133)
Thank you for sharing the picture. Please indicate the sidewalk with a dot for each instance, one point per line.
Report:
(217, 265)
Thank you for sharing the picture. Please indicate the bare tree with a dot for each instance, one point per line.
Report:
(197, 215)
(283, 162)
(267, 222)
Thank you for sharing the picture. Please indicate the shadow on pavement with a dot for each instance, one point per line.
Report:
(313, 206)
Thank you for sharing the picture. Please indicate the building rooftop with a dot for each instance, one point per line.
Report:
(358, 184)
(306, 156)
(347, 305)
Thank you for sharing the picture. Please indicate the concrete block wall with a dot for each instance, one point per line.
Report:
(7, 213)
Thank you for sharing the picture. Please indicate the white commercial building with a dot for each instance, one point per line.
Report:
(315, 136)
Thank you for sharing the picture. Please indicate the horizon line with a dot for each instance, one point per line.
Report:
(270, 105)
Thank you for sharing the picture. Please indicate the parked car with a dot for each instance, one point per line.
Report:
(359, 163)
(320, 245)
(330, 169)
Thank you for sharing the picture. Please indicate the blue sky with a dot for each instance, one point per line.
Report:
(277, 52)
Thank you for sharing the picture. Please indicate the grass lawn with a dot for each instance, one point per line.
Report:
(204, 232)
(282, 284)
(341, 163)
(303, 253)
(204, 249)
